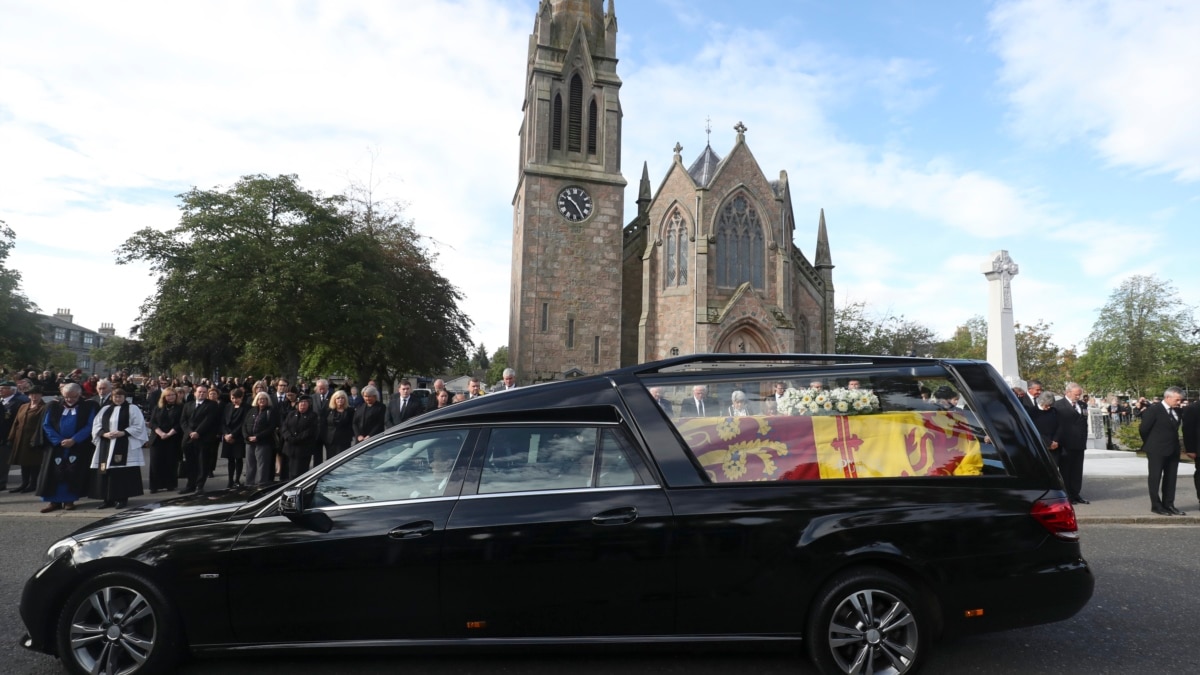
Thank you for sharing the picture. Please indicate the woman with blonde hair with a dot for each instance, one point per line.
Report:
(166, 435)
(259, 431)
(339, 424)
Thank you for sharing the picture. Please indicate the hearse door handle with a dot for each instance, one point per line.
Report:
(412, 530)
(622, 516)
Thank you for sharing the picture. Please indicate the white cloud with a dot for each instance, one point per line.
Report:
(1118, 74)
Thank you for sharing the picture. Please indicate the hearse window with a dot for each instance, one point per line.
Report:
(521, 459)
(829, 426)
(410, 467)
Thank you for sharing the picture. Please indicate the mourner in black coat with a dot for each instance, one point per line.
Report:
(259, 432)
(300, 436)
(1072, 440)
(369, 417)
(339, 425)
(403, 406)
(201, 422)
(1159, 429)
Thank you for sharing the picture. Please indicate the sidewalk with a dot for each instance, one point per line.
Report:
(1114, 481)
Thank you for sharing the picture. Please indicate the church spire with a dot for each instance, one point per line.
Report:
(824, 260)
(643, 200)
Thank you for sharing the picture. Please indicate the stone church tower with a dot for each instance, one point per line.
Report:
(570, 198)
(708, 263)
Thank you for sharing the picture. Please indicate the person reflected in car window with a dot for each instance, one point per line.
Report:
(441, 462)
(738, 407)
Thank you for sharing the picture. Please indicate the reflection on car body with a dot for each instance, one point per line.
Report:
(861, 518)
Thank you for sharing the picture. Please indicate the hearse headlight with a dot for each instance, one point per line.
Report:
(60, 548)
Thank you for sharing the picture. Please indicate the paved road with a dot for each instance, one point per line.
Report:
(1144, 594)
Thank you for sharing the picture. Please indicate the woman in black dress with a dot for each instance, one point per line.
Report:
(165, 438)
(339, 424)
(233, 443)
(259, 432)
(369, 417)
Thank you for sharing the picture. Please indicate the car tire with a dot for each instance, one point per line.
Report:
(868, 621)
(118, 623)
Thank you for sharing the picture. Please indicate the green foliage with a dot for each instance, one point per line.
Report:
(21, 337)
(498, 363)
(1041, 359)
(858, 332)
(968, 342)
(120, 353)
(1128, 436)
(480, 360)
(59, 358)
(265, 272)
(1142, 341)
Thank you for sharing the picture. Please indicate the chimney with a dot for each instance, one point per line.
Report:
(65, 315)
(107, 330)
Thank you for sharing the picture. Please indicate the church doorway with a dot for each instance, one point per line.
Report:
(744, 340)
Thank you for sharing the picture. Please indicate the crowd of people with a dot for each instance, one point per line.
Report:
(76, 436)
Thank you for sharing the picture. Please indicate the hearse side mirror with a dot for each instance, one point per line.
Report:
(291, 506)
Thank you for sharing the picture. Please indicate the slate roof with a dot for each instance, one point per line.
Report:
(705, 167)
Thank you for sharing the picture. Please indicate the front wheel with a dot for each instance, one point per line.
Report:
(117, 624)
(868, 621)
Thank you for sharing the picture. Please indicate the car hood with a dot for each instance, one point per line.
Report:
(177, 512)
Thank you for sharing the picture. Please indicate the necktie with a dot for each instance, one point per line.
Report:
(403, 402)
(1173, 416)
(700, 407)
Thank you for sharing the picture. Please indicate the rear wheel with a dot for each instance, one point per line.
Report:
(868, 621)
(117, 624)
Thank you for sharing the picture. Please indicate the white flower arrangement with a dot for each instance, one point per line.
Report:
(838, 401)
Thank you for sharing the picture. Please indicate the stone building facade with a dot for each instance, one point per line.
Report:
(708, 263)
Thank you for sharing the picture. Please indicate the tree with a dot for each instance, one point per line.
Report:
(1040, 359)
(480, 360)
(121, 353)
(401, 314)
(968, 342)
(1037, 355)
(859, 332)
(1142, 341)
(498, 363)
(267, 272)
(21, 337)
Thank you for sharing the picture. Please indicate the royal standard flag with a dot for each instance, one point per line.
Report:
(772, 448)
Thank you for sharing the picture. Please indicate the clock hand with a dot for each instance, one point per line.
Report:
(575, 204)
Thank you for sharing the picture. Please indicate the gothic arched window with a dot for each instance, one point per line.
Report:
(592, 124)
(675, 259)
(575, 115)
(556, 123)
(739, 244)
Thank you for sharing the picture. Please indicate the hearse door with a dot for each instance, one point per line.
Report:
(567, 534)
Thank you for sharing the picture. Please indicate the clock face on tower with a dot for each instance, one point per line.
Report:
(574, 203)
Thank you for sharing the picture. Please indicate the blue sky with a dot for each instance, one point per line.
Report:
(930, 133)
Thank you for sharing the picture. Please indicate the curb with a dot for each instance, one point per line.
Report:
(1148, 519)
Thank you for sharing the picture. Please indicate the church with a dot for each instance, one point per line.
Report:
(708, 264)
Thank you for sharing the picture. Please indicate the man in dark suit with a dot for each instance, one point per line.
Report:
(698, 404)
(1160, 441)
(320, 405)
(1033, 389)
(201, 426)
(403, 406)
(663, 403)
(1072, 440)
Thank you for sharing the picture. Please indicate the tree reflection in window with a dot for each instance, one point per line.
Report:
(739, 244)
(677, 251)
